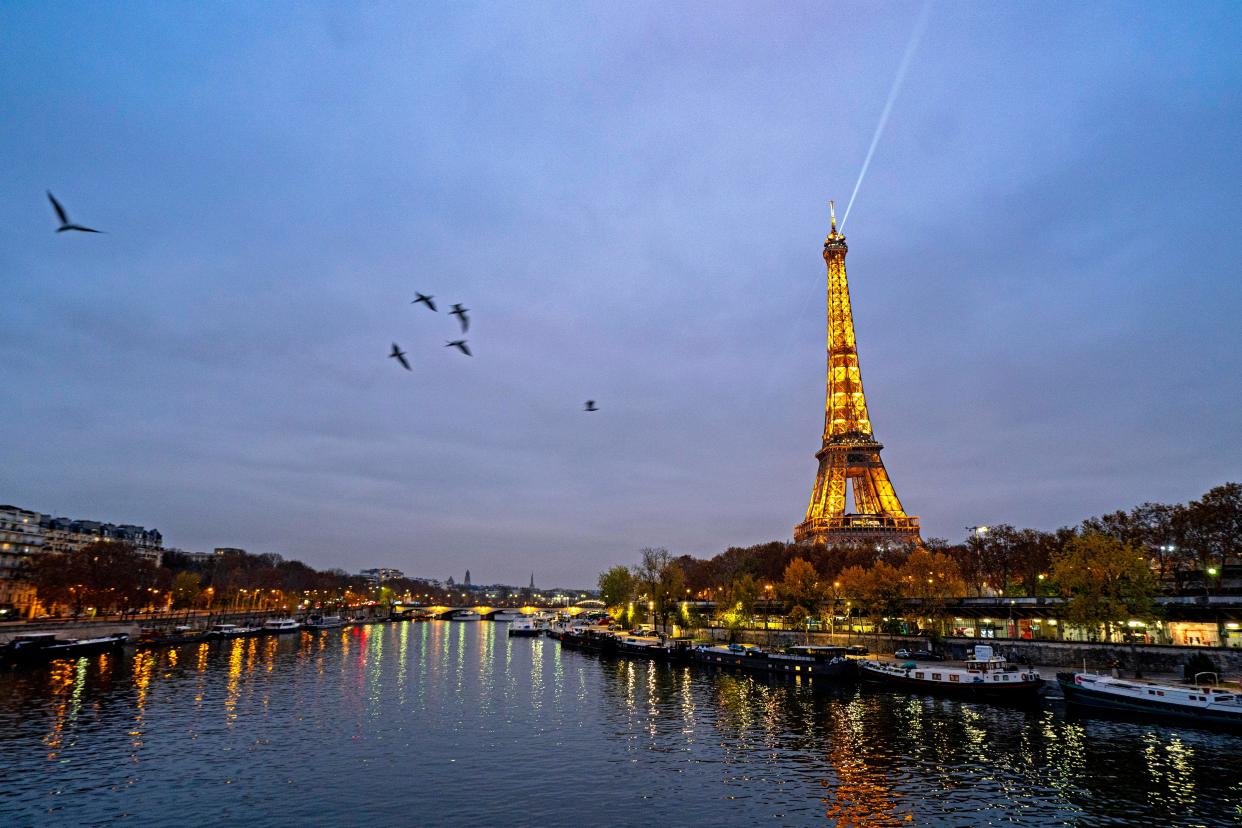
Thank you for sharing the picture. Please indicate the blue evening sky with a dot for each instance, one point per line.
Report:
(631, 198)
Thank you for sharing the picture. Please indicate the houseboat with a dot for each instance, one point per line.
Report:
(985, 675)
(819, 662)
(315, 623)
(33, 648)
(1203, 703)
(591, 640)
(464, 615)
(171, 638)
(504, 616)
(659, 647)
(232, 631)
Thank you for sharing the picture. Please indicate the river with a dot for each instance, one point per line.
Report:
(444, 723)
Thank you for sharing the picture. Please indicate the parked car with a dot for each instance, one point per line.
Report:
(918, 655)
(857, 649)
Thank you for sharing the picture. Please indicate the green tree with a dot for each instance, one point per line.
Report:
(663, 580)
(616, 590)
(1211, 527)
(800, 587)
(1104, 581)
(185, 590)
(930, 579)
(876, 591)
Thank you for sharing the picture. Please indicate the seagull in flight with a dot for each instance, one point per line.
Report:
(65, 223)
(459, 344)
(590, 406)
(460, 313)
(425, 299)
(399, 356)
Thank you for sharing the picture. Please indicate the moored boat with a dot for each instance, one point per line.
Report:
(504, 616)
(464, 615)
(33, 648)
(171, 638)
(591, 640)
(232, 631)
(280, 626)
(528, 627)
(985, 675)
(654, 646)
(820, 662)
(315, 623)
(1203, 704)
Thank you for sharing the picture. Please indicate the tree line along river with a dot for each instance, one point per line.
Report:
(455, 723)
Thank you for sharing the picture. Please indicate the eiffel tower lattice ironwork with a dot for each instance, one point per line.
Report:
(850, 456)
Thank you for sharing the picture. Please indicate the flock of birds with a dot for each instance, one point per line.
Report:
(399, 355)
(459, 344)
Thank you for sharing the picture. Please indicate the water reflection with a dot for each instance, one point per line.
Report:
(222, 727)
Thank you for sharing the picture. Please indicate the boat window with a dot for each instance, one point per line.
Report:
(1004, 678)
(918, 674)
(953, 677)
(935, 676)
(1151, 692)
(1224, 697)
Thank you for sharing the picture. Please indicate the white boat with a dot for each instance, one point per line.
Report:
(527, 627)
(279, 626)
(232, 631)
(324, 622)
(1206, 704)
(464, 615)
(504, 616)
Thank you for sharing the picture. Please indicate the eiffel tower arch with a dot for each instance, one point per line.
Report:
(849, 460)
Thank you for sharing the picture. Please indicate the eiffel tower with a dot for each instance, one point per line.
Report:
(850, 454)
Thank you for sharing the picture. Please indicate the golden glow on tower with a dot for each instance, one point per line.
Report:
(850, 455)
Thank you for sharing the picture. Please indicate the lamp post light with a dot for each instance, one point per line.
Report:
(767, 611)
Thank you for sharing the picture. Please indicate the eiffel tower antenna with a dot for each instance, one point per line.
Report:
(849, 458)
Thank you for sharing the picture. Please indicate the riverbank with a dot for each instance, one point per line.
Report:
(1148, 659)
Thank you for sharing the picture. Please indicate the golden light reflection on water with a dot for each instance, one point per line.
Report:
(60, 683)
(686, 694)
(144, 667)
(861, 794)
(232, 687)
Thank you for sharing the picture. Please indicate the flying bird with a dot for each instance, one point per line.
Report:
(590, 406)
(426, 300)
(459, 344)
(460, 313)
(399, 356)
(65, 223)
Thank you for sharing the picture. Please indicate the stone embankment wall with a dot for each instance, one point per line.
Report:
(1149, 658)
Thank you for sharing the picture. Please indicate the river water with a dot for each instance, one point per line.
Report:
(455, 723)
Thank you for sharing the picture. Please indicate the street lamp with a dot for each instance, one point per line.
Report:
(767, 610)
